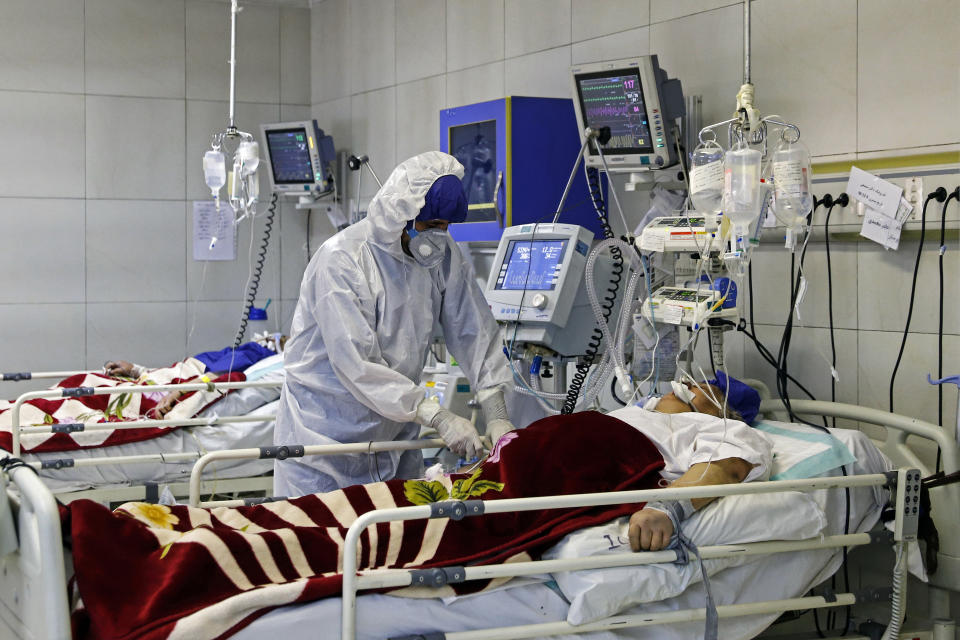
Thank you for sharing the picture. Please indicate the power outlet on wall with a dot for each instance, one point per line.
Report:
(913, 192)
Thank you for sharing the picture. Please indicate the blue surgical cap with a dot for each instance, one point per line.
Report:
(740, 396)
(445, 201)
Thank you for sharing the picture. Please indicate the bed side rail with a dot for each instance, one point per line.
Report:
(17, 429)
(944, 499)
(33, 597)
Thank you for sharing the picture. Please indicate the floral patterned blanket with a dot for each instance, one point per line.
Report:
(151, 571)
(121, 407)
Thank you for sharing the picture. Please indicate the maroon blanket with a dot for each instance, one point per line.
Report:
(148, 571)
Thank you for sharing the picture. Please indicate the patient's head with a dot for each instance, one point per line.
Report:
(702, 402)
(741, 401)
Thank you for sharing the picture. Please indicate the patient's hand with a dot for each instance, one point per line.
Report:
(650, 530)
(120, 368)
(166, 404)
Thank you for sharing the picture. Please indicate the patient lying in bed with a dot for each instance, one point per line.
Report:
(700, 448)
(218, 362)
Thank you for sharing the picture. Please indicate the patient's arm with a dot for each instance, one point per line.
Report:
(122, 368)
(650, 530)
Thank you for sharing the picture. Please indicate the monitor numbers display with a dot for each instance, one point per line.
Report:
(290, 156)
(531, 265)
(615, 99)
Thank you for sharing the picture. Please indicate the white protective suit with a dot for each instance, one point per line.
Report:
(360, 337)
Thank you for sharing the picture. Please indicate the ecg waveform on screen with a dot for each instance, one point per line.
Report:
(607, 111)
(626, 140)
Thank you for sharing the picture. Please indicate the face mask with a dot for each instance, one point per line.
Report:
(683, 393)
(428, 247)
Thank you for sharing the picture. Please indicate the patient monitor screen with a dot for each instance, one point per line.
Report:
(615, 99)
(290, 156)
(531, 265)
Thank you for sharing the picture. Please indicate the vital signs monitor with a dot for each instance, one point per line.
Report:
(640, 105)
(299, 156)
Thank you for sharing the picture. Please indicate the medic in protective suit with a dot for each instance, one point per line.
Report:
(369, 300)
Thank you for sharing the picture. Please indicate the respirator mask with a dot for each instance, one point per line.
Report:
(428, 247)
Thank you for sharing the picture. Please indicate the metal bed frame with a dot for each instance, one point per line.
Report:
(33, 599)
(134, 492)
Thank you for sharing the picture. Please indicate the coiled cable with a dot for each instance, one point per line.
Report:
(898, 600)
(257, 272)
(609, 300)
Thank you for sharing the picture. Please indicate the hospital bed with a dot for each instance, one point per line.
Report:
(133, 470)
(33, 600)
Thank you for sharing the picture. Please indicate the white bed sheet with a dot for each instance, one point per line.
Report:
(235, 435)
(384, 616)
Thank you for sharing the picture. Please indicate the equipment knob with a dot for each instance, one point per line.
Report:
(539, 301)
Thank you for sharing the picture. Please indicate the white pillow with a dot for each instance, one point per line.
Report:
(800, 451)
(598, 593)
(240, 402)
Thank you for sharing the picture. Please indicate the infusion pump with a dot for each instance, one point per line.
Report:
(678, 233)
(536, 286)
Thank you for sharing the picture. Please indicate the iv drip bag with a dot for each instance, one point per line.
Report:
(741, 186)
(706, 178)
(791, 181)
(214, 170)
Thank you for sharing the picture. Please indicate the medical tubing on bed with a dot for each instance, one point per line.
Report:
(583, 368)
(257, 272)
(898, 601)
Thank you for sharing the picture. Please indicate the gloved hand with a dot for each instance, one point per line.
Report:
(457, 432)
(497, 428)
(495, 411)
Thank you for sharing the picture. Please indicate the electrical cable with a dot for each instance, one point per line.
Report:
(257, 271)
(782, 379)
(843, 200)
(939, 195)
(955, 194)
(616, 275)
(833, 343)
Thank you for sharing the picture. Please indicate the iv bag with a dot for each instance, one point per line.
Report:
(792, 201)
(214, 170)
(741, 186)
(706, 177)
(249, 153)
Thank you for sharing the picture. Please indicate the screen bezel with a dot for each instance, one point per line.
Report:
(508, 253)
(606, 73)
(273, 167)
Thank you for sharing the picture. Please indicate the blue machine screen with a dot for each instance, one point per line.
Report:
(531, 264)
(290, 156)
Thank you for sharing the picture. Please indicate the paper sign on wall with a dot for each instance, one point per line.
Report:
(881, 229)
(876, 193)
(209, 223)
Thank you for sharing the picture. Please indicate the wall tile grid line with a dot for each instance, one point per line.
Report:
(108, 239)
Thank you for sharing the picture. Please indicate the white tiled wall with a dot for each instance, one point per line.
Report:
(106, 107)
(130, 90)
(858, 76)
